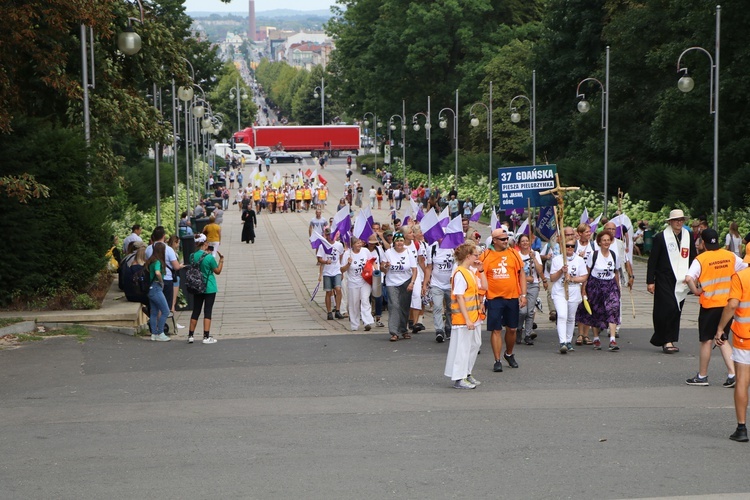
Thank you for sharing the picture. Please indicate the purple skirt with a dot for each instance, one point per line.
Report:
(604, 299)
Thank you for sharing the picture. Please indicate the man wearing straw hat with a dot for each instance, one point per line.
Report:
(671, 255)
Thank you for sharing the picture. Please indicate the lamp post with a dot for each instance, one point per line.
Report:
(584, 107)
(375, 125)
(444, 124)
(392, 126)
(235, 94)
(185, 94)
(686, 84)
(515, 116)
(427, 129)
(475, 123)
(321, 92)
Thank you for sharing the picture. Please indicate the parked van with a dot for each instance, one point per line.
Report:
(239, 151)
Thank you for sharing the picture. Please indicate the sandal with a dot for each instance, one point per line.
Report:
(587, 341)
(406, 336)
(394, 338)
(579, 340)
(669, 349)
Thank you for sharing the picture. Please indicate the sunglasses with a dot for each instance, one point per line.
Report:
(570, 246)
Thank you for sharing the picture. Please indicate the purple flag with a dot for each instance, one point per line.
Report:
(343, 224)
(431, 228)
(524, 229)
(546, 222)
(316, 241)
(477, 213)
(444, 218)
(454, 234)
(362, 228)
(585, 216)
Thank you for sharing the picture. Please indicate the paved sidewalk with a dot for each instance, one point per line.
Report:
(265, 287)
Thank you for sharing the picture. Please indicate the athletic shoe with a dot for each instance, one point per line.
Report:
(209, 340)
(563, 349)
(330, 316)
(179, 326)
(379, 323)
(418, 327)
(160, 338)
(463, 384)
(613, 346)
(533, 335)
(368, 328)
(739, 435)
(697, 380)
(570, 347)
(597, 344)
(511, 360)
(731, 382)
(338, 315)
(472, 380)
(498, 366)
(190, 339)
(439, 336)
(527, 340)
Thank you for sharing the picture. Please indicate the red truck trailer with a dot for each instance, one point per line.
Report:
(318, 139)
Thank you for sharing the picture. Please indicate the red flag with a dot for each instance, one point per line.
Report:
(308, 173)
(322, 180)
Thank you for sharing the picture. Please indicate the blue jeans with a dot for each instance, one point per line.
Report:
(441, 306)
(158, 305)
(399, 300)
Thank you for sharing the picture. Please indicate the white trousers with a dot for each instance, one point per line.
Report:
(416, 293)
(566, 317)
(358, 302)
(463, 350)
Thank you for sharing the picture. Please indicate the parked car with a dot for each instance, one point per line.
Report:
(262, 151)
(284, 157)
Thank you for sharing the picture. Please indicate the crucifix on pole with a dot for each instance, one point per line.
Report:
(559, 193)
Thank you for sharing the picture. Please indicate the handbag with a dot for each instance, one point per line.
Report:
(367, 270)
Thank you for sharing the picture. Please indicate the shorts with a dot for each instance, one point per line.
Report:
(416, 295)
(708, 322)
(741, 356)
(502, 312)
(331, 282)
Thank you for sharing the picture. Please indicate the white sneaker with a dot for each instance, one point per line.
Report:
(160, 338)
(472, 380)
(464, 384)
(179, 326)
(190, 339)
(209, 340)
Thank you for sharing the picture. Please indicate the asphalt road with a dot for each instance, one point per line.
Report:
(355, 416)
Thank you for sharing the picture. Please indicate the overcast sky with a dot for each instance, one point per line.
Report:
(260, 5)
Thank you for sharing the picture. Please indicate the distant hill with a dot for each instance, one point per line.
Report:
(275, 13)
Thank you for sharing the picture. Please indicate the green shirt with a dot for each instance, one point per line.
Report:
(155, 266)
(207, 269)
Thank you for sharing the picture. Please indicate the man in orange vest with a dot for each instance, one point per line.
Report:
(280, 200)
(709, 278)
(271, 200)
(298, 199)
(506, 294)
(322, 196)
(307, 196)
(738, 307)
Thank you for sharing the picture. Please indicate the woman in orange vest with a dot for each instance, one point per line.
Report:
(280, 200)
(271, 200)
(256, 199)
(307, 196)
(298, 199)
(466, 306)
(322, 197)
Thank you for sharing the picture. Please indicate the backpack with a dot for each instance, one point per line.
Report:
(140, 279)
(194, 277)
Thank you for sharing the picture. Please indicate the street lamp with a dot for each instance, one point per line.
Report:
(129, 42)
(392, 125)
(686, 84)
(376, 124)
(515, 116)
(444, 124)
(321, 92)
(427, 129)
(584, 107)
(475, 123)
(235, 94)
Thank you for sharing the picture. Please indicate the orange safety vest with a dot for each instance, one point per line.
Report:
(322, 194)
(298, 195)
(280, 197)
(256, 194)
(741, 324)
(717, 268)
(308, 195)
(270, 197)
(471, 299)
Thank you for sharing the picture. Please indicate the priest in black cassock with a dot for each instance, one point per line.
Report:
(671, 255)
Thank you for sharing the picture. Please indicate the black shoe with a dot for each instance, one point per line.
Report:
(498, 367)
(533, 335)
(338, 315)
(731, 382)
(739, 435)
(511, 359)
(533, 326)
(527, 340)
(330, 316)
(418, 327)
(439, 336)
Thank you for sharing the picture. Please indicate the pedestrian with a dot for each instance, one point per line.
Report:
(466, 334)
(376, 249)
(205, 301)
(174, 244)
(418, 250)
(733, 240)
(672, 253)
(213, 235)
(172, 264)
(330, 258)
(159, 307)
(318, 224)
(738, 307)
(568, 275)
(709, 278)
(602, 292)
(400, 270)
(437, 283)
(453, 206)
(506, 294)
(379, 197)
(249, 221)
(533, 273)
(372, 195)
(135, 235)
(358, 289)
(358, 199)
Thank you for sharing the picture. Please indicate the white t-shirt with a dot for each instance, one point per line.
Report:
(416, 254)
(129, 239)
(528, 268)
(586, 250)
(576, 267)
(334, 268)
(373, 193)
(695, 267)
(733, 244)
(442, 262)
(399, 266)
(459, 284)
(618, 248)
(604, 267)
(354, 273)
(169, 256)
